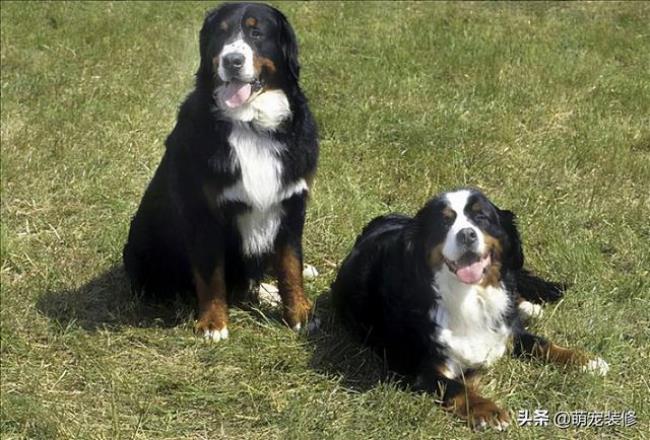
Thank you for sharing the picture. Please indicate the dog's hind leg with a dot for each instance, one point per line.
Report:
(527, 345)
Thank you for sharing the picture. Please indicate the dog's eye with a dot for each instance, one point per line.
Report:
(448, 217)
(480, 217)
(448, 220)
(257, 34)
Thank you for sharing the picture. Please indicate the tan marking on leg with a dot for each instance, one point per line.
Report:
(213, 304)
(560, 355)
(557, 354)
(477, 410)
(289, 270)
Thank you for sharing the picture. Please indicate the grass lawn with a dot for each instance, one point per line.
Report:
(545, 106)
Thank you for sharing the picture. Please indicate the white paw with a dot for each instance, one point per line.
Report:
(501, 425)
(596, 366)
(309, 272)
(528, 310)
(297, 327)
(481, 425)
(268, 294)
(215, 335)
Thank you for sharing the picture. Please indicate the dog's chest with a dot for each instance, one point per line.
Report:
(258, 158)
(471, 326)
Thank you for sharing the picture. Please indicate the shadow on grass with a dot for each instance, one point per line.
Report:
(338, 354)
(106, 302)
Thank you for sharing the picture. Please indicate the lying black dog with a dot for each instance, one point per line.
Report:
(435, 295)
(230, 194)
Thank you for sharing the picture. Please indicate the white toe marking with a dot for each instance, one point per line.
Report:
(309, 272)
(528, 310)
(269, 294)
(597, 366)
(297, 327)
(215, 335)
(502, 425)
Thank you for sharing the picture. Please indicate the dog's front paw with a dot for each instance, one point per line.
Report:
(479, 412)
(212, 327)
(528, 310)
(215, 335)
(484, 413)
(596, 366)
(297, 315)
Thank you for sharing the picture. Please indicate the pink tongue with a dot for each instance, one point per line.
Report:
(472, 273)
(236, 93)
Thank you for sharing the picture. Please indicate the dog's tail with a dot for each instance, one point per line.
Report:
(537, 290)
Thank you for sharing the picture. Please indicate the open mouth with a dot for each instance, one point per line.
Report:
(470, 268)
(236, 92)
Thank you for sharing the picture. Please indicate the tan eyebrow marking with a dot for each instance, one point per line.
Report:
(250, 21)
(224, 26)
(448, 213)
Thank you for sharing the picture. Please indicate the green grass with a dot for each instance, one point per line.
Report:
(544, 106)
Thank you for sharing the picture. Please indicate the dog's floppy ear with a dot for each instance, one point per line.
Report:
(205, 68)
(289, 46)
(514, 256)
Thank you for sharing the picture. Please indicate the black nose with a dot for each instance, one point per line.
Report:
(466, 236)
(233, 61)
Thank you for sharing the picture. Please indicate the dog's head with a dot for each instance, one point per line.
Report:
(465, 233)
(246, 49)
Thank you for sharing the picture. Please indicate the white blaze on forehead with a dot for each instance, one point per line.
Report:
(247, 72)
(457, 201)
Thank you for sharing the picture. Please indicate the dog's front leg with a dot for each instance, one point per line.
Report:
(207, 257)
(288, 266)
(287, 262)
(461, 397)
(213, 304)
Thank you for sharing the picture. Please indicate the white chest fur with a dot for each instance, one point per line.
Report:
(257, 156)
(470, 323)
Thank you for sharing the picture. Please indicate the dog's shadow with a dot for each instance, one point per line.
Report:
(106, 302)
(338, 355)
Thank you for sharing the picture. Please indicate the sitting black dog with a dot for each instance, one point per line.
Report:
(230, 194)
